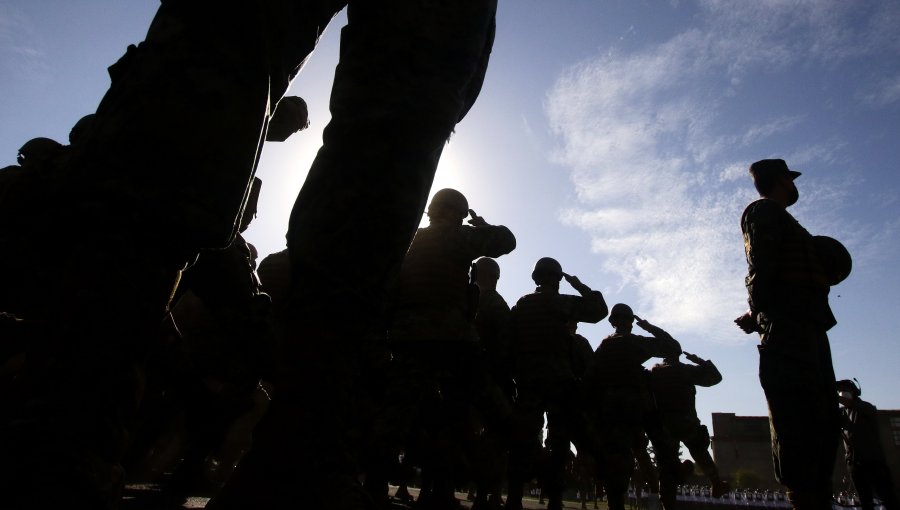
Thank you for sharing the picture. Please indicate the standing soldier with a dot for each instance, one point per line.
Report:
(788, 287)
(434, 340)
(619, 381)
(864, 452)
(672, 383)
(545, 377)
(492, 323)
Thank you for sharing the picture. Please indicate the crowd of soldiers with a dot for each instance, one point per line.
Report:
(131, 305)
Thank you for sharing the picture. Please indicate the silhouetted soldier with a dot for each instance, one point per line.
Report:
(166, 172)
(620, 384)
(788, 284)
(541, 349)
(434, 340)
(672, 383)
(864, 450)
(492, 324)
(223, 318)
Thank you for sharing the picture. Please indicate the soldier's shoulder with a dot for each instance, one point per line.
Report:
(762, 210)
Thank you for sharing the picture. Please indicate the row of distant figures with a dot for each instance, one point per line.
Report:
(699, 498)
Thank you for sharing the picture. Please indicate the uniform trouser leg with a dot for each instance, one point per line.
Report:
(697, 442)
(666, 448)
(559, 437)
(408, 71)
(524, 446)
(873, 478)
(162, 173)
(803, 412)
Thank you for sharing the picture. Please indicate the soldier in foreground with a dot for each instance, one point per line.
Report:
(541, 348)
(788, 284)
(673, 385)
(165, 172)
(625, 408)
(863, 449)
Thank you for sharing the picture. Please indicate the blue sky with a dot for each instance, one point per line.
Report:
(611, 135)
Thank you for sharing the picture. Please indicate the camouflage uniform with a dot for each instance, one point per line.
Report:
(165, 171)
(788, 295)
(435, 345)
(625, 409)
(541, 350)
(672, 384)
(492, 324)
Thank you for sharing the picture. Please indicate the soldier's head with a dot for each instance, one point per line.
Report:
(847, 390)
(773, 179)
(79, 131)
(38, 151)
(291, 115)
(448, 205)
(547, 272)
(488, 273)
(621, 317)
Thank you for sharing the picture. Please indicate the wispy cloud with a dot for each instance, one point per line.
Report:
(19, 53)
(651, 140)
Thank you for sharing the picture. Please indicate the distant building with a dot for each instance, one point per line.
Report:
(742, 449)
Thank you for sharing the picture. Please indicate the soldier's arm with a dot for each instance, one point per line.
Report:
(661, 344)
(704, 373)
(762, 226)
(590, 306)
(490, 240)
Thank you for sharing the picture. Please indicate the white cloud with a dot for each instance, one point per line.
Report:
(16, 42)
(881, 94)
(651, 149)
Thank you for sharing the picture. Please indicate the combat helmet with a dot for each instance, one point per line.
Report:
(448, 199)
(546, 270)
(621, 310)
(38, 151)
(291, 115)
(835, 259)
(849, 386)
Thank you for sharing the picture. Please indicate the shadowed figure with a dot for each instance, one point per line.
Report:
(438, 376)
(788, 279)
(863, 449)
(672, 383)
(541, 349)
(165, 171)
(624, 404)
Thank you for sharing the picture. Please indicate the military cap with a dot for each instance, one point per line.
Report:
(770, 168)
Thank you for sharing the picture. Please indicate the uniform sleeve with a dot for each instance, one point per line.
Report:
(590, 308)
(490, 241)
(763, 230)
(705, 374)
(660, 345)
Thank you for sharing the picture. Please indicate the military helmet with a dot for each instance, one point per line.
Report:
(835, 259)
(81, 128)
(546, 270)
(37, 151)
(449, 198)
(488, 266)
(849, 386)
(621, 310)
(290, 115)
